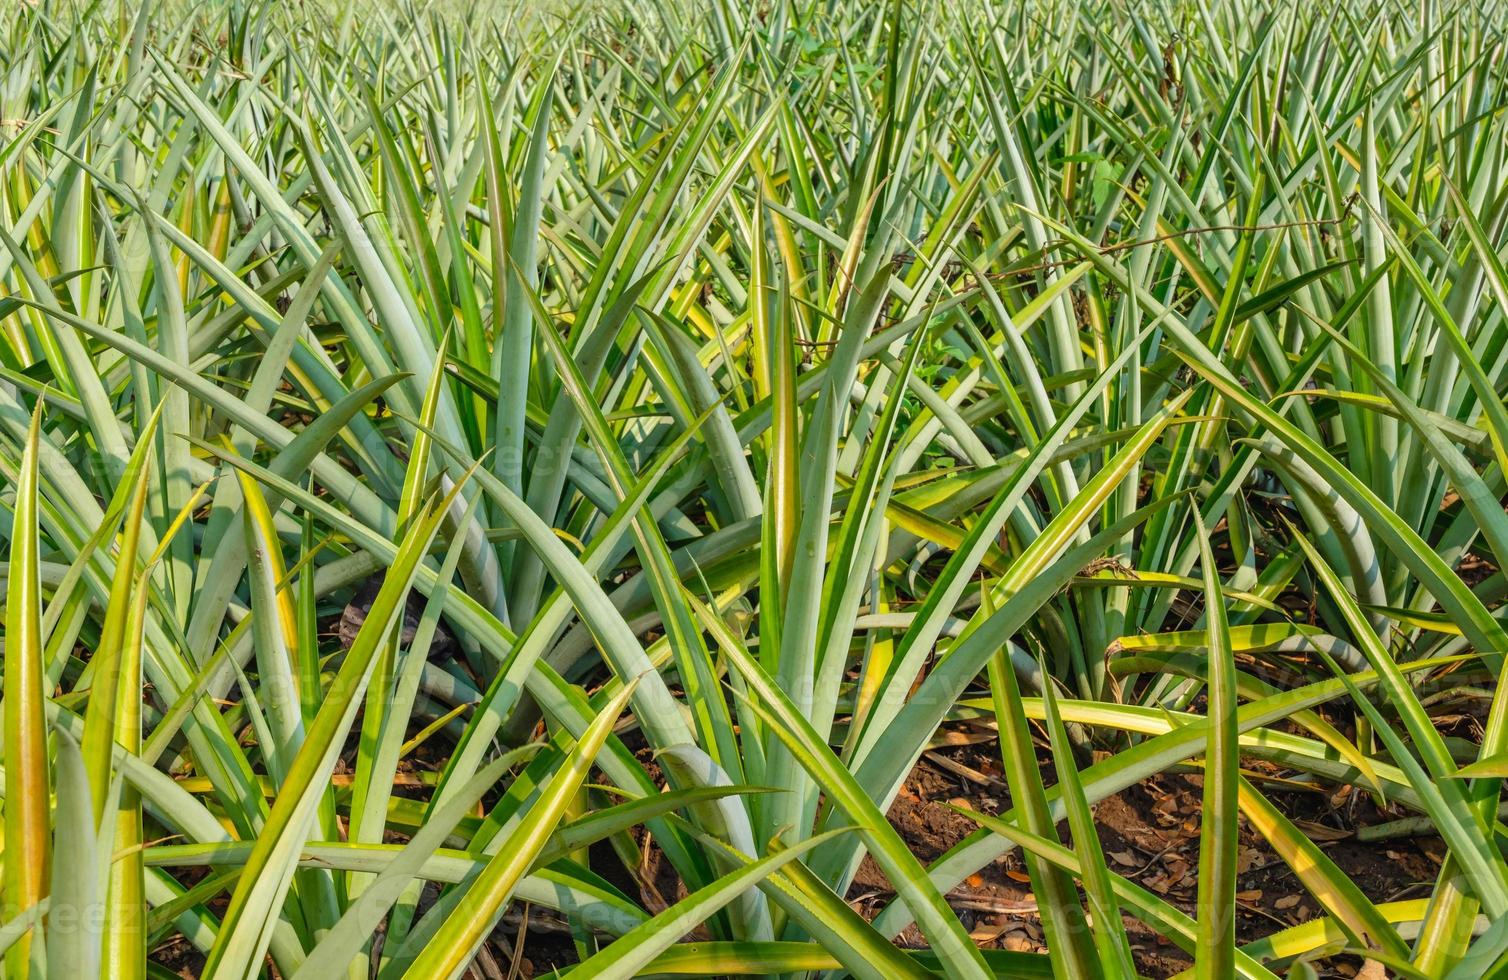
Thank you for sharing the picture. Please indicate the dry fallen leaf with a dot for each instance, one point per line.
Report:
(1017, 942)
(1287, 902)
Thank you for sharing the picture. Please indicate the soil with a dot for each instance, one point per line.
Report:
(1150, 834)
